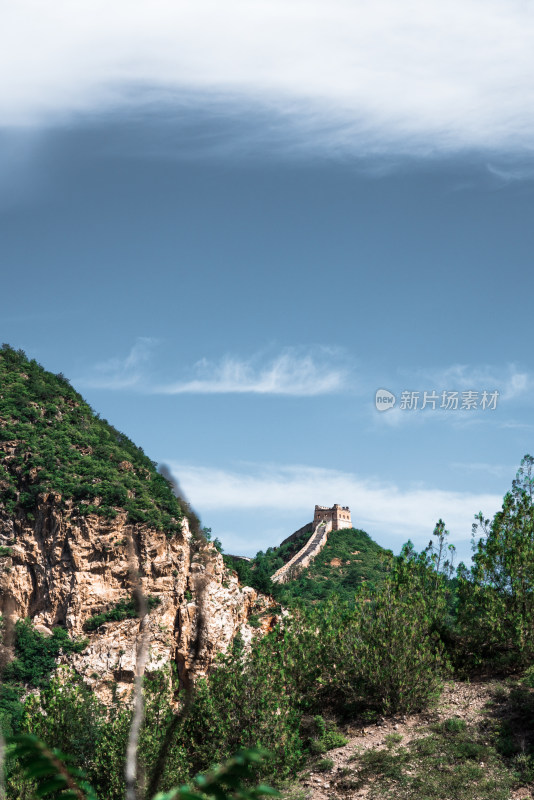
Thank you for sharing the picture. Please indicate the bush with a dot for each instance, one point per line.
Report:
(67, 713)
(454, 725)
(124, 609)
(380, 652)
(35, 654)
(327, 736)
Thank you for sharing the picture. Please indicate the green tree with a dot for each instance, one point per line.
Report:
(496, 596)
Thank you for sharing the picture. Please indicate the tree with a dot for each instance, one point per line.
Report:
(496, 609)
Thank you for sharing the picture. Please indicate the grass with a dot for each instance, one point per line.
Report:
(456, 759)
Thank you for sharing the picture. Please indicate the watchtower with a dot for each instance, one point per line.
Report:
(338, 515)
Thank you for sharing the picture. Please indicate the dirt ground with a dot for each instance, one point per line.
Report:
(464, 700)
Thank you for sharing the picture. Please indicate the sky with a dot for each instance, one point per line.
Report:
(230, 225)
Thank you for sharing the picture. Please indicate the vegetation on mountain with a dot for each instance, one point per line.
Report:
(35, 654)
(349, 559)
(34, 658)
(52, 441)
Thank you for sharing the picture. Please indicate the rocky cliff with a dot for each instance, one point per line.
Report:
(68, 555)
(62, 569)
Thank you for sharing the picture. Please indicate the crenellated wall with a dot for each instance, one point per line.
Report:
(305, 555)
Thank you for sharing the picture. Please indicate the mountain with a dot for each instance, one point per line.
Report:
(348, 558)
(52, 441)
(81, 510)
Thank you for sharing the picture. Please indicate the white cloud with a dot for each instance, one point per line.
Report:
(418, 77)
(505, 175)
(516, 424)
(403, 513)
(294, 372)
(509, 380)
(291, 373)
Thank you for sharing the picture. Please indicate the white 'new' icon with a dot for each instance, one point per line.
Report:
(384, 399)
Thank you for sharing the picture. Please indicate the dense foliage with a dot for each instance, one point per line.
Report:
(35, 654)
(51, 774)
(52, 441)
(496, 595)
(32, 663)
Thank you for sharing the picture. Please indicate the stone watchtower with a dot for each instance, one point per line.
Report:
(338, 515)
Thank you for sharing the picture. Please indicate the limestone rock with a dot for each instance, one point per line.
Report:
(64, 568)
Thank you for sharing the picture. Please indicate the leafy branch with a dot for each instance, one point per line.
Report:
(48, 769)
(52, 775)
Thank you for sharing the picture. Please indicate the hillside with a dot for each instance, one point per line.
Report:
(349, 558)
(52, 441)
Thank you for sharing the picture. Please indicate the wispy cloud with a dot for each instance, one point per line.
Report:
(516, 424)
(413, 77)
(122, 373)
(403, 513)
(294, 372)
(506, 174)
(291, 373)
(498, 470)
(510, 381)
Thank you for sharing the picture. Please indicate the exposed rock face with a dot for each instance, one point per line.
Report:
(65, 568)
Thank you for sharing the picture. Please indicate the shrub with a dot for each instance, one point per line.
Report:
(328, 737)
(35, 654)
(382, 651)
(124, 609)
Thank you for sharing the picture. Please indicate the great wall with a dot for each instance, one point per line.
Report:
(325, 520)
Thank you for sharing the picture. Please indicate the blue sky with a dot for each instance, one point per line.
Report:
(229, 230)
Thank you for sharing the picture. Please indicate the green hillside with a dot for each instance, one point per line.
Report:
(348, 558)
(51, 440)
